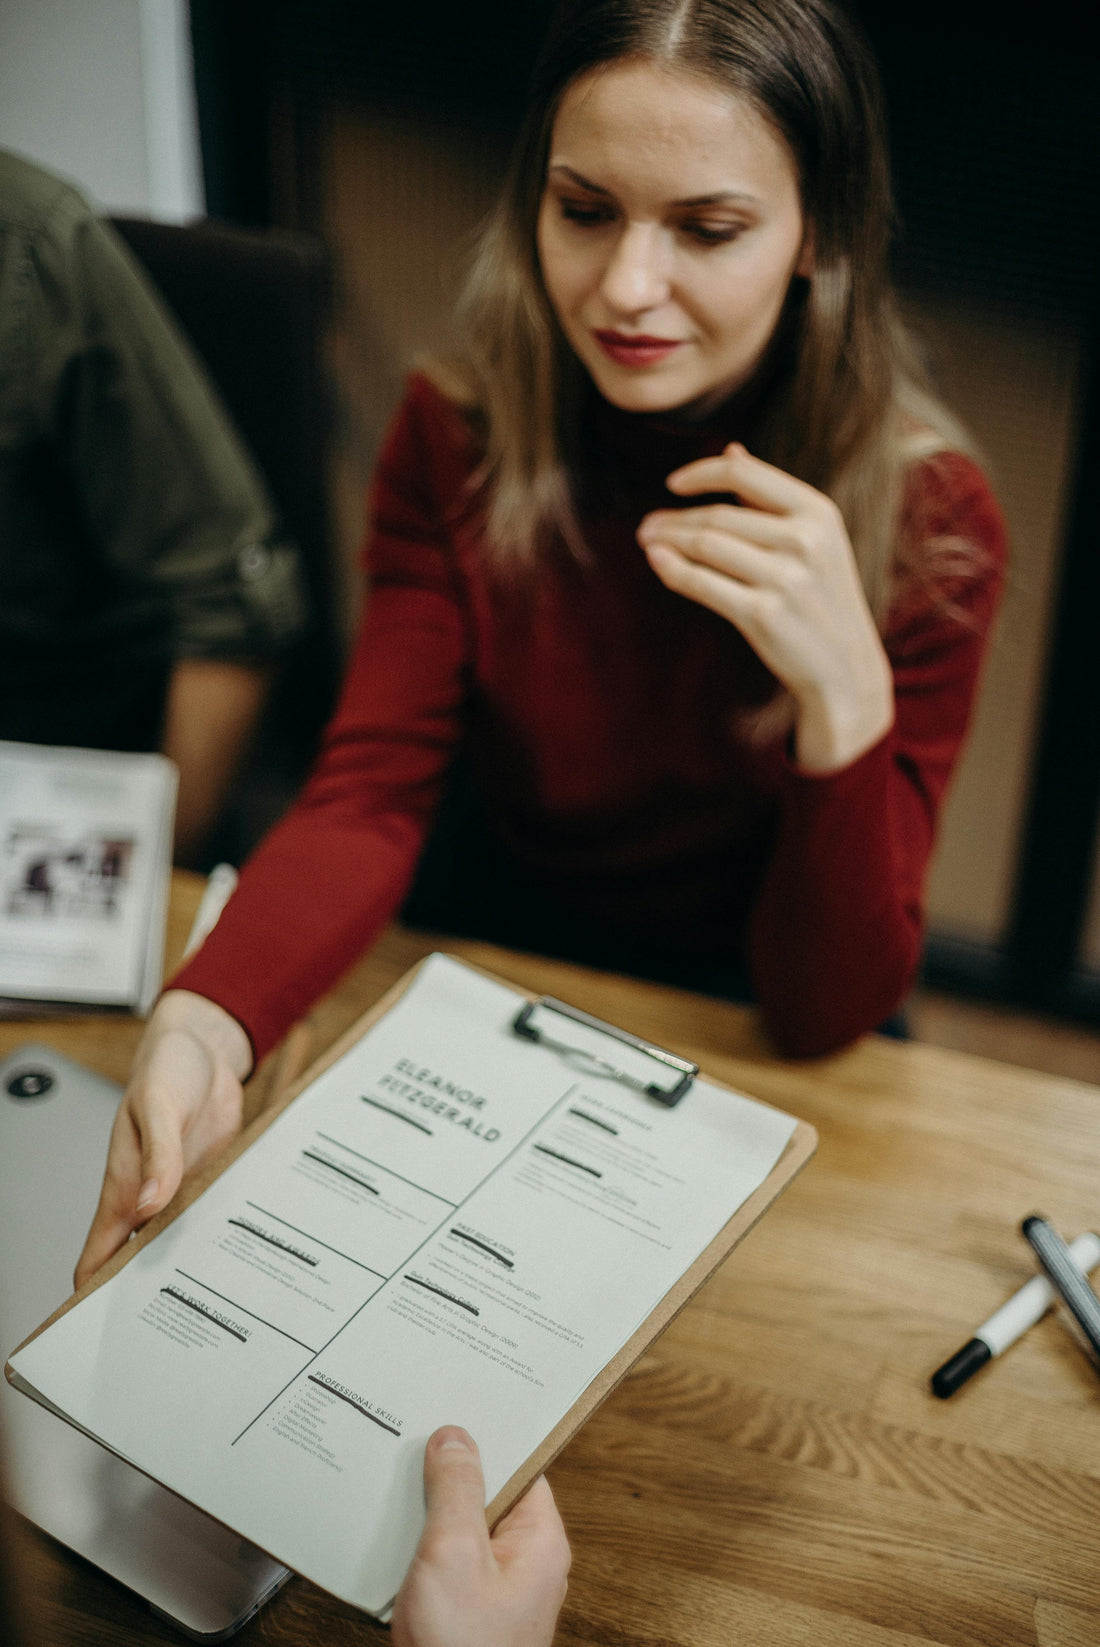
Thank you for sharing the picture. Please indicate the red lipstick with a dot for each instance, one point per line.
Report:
(635, 348)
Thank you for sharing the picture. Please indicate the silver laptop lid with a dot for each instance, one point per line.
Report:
(55, 1121)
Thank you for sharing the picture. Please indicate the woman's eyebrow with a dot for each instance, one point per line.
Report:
(577, 177)
(718, 198)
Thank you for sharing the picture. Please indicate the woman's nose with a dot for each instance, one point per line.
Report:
(636, 277)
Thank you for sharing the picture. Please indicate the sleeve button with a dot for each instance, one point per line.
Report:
(253, 561)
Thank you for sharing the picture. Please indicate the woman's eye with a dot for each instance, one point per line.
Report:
(584, 214)
(712, 234)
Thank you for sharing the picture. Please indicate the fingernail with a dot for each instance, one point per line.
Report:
(454, 1437)
(147, 1195)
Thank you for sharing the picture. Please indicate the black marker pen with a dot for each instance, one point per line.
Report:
(1065, 1277)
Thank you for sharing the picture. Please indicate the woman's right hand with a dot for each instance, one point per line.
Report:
(183, 1103)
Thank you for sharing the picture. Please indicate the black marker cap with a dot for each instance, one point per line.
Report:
(954, 1373)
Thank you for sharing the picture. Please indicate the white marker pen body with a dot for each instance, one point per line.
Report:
(1010, 1322)
(220, 885)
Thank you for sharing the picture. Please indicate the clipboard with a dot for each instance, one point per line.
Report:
(797, 1151)
(580, 1038)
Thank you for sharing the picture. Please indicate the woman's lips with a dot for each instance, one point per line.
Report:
(628, 349)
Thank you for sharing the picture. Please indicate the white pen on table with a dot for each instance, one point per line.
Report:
(1010, 1322)
(220, 885)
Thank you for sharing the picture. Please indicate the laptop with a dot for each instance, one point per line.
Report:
(55, 1121)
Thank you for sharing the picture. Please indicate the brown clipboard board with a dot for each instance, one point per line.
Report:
(799, 1149)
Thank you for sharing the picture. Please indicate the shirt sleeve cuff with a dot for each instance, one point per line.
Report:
(254, 610)
(845, 781)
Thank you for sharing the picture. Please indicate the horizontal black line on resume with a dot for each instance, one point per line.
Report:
(568, 1159)
(583, 1115)
(485, 1247)
(284, 1246)
(343, 1171)
(449, 1296)
(316, 1239)
(323, 1384)
(235, 1305)
(388, 1171)
(397, 1115)
(192, 1304)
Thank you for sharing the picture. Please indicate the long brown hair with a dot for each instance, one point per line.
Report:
(849, 412)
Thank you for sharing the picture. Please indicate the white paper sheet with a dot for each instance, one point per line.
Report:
(448, 1226)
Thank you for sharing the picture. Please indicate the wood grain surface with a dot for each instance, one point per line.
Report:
(775, 1472)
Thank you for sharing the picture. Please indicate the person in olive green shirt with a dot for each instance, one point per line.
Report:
(144, 586)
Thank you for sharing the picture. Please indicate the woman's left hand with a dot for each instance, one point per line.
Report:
(779, 565)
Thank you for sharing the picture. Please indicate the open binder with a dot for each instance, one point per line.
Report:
(85, 856)
(539, 1194)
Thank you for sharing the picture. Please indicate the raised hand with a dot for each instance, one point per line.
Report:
(183, 1103)
(779, 565)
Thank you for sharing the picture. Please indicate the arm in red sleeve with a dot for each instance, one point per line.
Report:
(327, 878)
(836, 930)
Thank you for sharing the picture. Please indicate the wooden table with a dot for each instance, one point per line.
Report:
(775, 1472)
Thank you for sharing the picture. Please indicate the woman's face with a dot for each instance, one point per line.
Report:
(669, 230)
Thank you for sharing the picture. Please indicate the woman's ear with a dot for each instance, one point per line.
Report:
(805, 264)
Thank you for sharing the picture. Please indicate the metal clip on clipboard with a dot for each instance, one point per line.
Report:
(584, 1058)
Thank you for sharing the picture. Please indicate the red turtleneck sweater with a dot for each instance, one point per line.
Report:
(607, 720)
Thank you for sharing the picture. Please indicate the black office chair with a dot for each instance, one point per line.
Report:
(253, 304)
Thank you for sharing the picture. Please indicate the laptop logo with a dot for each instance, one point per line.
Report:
(29, 1082)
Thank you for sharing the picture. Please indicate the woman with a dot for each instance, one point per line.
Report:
(678, 553)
